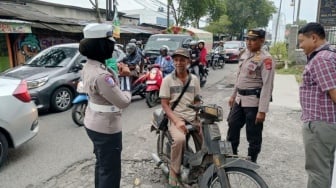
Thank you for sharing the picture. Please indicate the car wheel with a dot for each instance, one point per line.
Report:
(61, 99)
(3, 149)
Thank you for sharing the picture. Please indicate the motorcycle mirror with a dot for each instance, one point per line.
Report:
(198, 98)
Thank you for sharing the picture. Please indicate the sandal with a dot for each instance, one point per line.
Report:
(173, 182)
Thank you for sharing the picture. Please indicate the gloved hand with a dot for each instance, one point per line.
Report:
(123, 70)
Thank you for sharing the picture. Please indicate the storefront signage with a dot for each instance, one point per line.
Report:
(14, 28)
(327, 13)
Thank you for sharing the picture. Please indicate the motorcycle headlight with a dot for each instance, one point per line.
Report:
(37, 83)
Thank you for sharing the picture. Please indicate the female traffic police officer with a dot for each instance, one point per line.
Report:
(107, 96)
(252, 94)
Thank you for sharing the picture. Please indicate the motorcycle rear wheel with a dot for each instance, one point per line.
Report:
(152, 98)
(78, 113)
(214, 64)
(238, 178)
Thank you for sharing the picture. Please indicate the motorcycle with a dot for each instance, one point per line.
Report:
(153, 84)
(218, 60)
(139, 86)
(211, 165)
(138, 81)
(202, 74)
(79, 105)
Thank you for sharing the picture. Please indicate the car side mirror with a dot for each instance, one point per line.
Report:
(78, 67)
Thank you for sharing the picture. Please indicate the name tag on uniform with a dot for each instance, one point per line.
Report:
(252, 66)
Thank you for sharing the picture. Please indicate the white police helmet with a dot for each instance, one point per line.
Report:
(98, 30)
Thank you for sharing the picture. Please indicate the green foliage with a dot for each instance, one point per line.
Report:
(246, 14)
(279, 51)
(191, 11)
(4, 63)
(295, 70)
(216, 9)
(220, 26)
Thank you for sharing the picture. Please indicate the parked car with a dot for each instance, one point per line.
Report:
(52, 76)
(232, 50)
(18, 115)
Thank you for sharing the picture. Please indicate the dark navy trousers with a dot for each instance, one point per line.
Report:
(238, 117)
(107, 148)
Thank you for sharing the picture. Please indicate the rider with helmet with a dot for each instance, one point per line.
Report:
(132, 59)
(220, 50)
(165, 61)
(194, 56)
(139, 51)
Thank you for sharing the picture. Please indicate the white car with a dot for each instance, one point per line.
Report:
(18, 115)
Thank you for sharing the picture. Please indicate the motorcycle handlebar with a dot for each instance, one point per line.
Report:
(195, 107)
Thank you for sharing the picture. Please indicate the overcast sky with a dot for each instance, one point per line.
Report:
(308, 11)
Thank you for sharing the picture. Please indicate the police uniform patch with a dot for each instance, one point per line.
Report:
(109, 80)
(268, 63)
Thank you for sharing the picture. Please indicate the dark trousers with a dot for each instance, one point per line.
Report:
(107, 148)
(238, 117)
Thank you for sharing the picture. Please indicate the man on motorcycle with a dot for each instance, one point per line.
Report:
(165, 61)
(170, 90)
(139, 51)
(219, 49)
(132, 59)
(194, 55)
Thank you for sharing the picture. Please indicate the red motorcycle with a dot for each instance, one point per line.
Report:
(153, 84)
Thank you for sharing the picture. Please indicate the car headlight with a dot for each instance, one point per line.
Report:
(37, 83)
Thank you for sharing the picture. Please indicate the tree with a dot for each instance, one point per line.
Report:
(245, 14)
(220, 26)
(177, 11)
(96, 8)
(187, 12)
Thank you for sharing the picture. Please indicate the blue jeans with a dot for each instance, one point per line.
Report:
(107, 148)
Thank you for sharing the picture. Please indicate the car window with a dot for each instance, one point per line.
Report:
(232, 45)
(53, 57)
(157, 43)
(80, 59)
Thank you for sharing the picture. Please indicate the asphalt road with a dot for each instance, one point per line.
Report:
(60, 143)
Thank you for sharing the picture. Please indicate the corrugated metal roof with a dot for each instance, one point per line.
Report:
(38, 19)
(12, 11)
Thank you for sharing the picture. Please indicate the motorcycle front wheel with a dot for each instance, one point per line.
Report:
(152, 98)
(238, 178)
(78, 113)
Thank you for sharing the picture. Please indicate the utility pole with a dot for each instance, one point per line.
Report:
(168, 10)
(277, 23)
(298, 13)
(109, 14)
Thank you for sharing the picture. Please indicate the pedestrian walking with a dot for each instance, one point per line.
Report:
(252, 94)
(107, 98)
(318, 102)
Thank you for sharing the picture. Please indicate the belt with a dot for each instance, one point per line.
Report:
(103, 108)
(249, 91)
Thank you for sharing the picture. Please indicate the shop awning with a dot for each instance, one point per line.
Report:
(14, 26)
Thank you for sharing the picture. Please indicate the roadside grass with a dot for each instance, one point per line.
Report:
(295, 70)
(4, 63)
